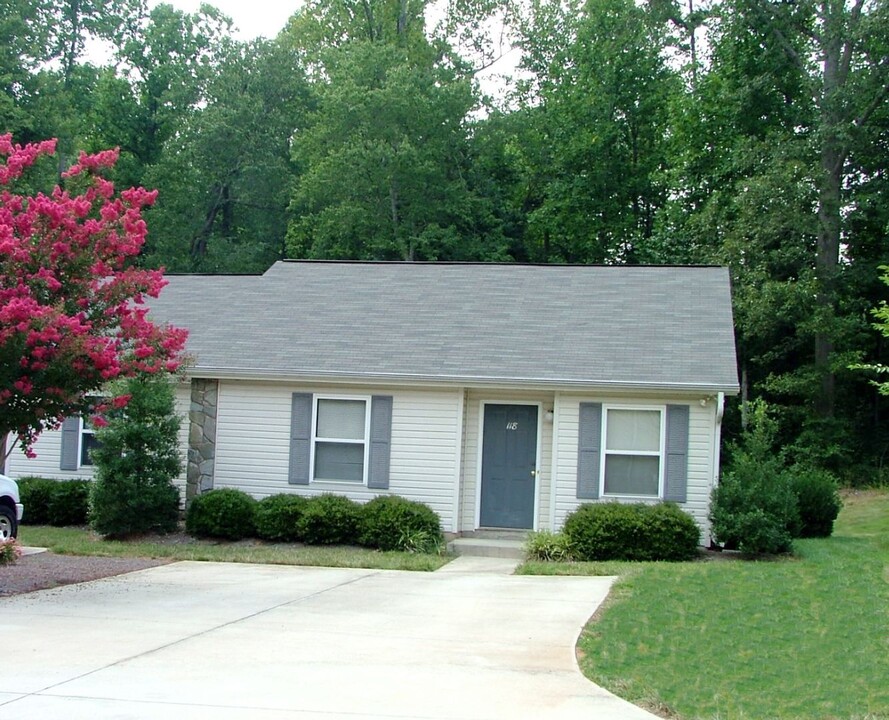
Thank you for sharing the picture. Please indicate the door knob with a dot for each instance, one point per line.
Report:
(534, 473)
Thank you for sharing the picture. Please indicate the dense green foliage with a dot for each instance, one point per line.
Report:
(223, 513)
(367, 135)
(331, 520)
(136, 461)
(390, 522)
(818, 500)
(54, 502)
(277, 517)
(631, 531)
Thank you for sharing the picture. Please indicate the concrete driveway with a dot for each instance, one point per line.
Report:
(223, 641)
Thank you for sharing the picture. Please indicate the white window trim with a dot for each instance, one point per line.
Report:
(661, 454)
(366, 441)
(83, 429)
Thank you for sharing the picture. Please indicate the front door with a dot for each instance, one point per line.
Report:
(509, 466)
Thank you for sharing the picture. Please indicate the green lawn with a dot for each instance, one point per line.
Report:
(77, 541)
(804, 637)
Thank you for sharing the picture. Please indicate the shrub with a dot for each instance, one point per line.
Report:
(754, 509)
(818, 498)
(54, 502)
(330, 520)
(277, 517)
(69, 503)
(36, 494)
(631, 531)
(136, 462)
(395, 523)
(224, 513)
(10, 551)
(549, 546)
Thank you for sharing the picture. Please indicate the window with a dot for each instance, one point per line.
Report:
(340, 439)
(633, 457)
(88, 441)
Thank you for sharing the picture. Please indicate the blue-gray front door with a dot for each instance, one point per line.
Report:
(509, 466)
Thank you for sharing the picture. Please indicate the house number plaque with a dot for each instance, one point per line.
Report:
(512, 426)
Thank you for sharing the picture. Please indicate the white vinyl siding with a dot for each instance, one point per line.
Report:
(472, 472)
(700, 453)
(253, 443)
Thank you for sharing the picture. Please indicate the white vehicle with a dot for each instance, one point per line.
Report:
(11, 508)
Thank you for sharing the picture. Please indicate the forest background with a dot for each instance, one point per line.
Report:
(747, 133)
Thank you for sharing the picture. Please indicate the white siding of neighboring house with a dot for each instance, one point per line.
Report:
(469, 492)
(702, 420)
(49, 451)
(253, 443)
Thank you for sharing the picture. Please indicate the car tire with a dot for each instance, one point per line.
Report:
(8, 525)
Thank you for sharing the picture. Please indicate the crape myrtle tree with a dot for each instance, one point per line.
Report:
(72, 312)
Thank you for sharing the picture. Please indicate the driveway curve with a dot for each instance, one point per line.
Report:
(211, 640)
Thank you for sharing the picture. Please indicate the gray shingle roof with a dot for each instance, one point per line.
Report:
(470, 323)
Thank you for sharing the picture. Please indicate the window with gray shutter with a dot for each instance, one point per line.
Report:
(676, 471)
(300, 438)
(589, 449)
(70, 443)
(380, 441)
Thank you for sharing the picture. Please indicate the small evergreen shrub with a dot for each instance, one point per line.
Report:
(548, 546)
(277, 517)
(36, 494)
(69, 503)
(224, 513)
(137, 461)
(755, 511)
(330, 520)
(395, 523)
(631, 531)
(754, 508)
(818, 497)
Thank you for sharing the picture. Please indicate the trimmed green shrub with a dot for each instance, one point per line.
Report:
(277, 517)
(549, 546)
(754, 509)
(631, 531)
(136, 461)
(36, 494)
(69, 503)
(395, 523)
(224, 513)
(54, 502)
(330, 520)
(818, 498)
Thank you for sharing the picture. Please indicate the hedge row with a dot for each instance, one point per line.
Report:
(620, 531)
(387, 522)
(54, 502)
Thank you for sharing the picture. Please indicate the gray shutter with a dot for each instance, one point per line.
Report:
(70, 444)
(380, 441)
(589, 450)
(676, 471)
(300, 438)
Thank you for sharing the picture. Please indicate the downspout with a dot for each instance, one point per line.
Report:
(717, 447)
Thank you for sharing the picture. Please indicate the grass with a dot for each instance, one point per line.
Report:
(78, 541)
(804, 637)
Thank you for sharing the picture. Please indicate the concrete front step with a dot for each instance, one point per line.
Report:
(487, 547)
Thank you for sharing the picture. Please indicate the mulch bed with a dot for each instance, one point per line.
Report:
(47, 570)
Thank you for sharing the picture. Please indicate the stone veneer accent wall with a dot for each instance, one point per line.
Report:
(201, 437)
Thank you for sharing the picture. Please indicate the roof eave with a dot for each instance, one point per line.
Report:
(380, 378)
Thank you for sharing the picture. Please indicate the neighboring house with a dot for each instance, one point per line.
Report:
(501, 395)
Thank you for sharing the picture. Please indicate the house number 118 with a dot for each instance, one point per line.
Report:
(512, 426)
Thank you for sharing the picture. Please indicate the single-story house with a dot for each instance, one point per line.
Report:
(503, 396)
